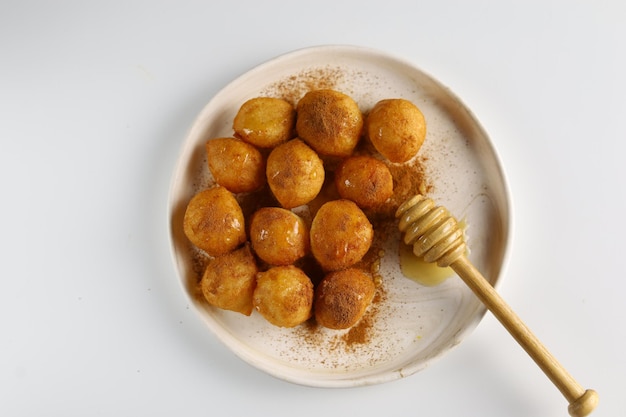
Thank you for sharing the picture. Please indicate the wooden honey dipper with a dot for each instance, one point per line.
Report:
(436, 237)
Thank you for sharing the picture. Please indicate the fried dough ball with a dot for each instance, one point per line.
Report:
(342, 298)
(278, 236)
(265, 122)
(235, 165)
(295, 173)
(341, 235)
(329, 121)
(365, 180)
(229, 281)
(214, 221)
(284, 296)
(396, 128)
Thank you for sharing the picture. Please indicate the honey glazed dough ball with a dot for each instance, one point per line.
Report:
(278, 236)
(229, 281)
(295, 173)
(341, 235)
(265, 121)
(365, 180)
(235, 165)
(397, 129)
(329, 121)
(214, 221)
(342, 297)
(284, 296)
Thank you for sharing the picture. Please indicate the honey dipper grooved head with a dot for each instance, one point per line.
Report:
(433, 232)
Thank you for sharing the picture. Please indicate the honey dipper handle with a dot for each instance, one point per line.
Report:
(581, 402)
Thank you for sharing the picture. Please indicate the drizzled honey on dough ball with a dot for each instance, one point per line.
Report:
(342, 298)
(330, 122)
(229, 281)
(284, 296)
(235, 165)
(214, 221)
(341, 234)
(265, 122)
(396, 128)
(278, 236)
(295, 173)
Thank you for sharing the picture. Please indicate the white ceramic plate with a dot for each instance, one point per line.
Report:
(413, 324)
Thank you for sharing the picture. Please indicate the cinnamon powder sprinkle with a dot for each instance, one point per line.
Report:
(295, 86)
(360, 333)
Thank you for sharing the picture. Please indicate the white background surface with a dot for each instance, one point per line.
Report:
(95, 100)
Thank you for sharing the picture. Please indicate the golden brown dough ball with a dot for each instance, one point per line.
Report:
(278, 236)
(265, 121)
(214, 221)
(284, 296)
(229, 281)
(365, 180)
(295, 173)
(329, 121)
(236, 165)
(341, 235)
(342, 298)
(396, 128)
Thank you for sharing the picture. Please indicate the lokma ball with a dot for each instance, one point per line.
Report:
(229, 281)
(284, 296)
(295, 173)
(265, 121)
(235, 165)
(397, 129)
(330, 122)
(214, 221)
(365, 180)
(342, 298)
(341, 234)
(278, 236)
